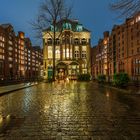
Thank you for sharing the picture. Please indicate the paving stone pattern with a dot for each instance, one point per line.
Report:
(69, 111)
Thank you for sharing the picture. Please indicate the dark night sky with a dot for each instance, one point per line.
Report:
(93, 14)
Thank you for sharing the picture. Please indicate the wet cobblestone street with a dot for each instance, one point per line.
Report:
(69, 111)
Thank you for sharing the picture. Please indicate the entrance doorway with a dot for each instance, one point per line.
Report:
(61, 71)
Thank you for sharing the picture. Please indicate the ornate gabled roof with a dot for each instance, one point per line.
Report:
(68, 24)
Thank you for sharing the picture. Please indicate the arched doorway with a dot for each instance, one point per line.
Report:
(61, 70)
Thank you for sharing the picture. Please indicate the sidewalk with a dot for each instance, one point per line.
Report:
(12, 88)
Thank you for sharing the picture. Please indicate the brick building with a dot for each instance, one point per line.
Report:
(13, 64)
(124, 48)
(101, 56)
(123, 51)
(33, 60)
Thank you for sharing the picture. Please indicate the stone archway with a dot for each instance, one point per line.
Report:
(61, 70)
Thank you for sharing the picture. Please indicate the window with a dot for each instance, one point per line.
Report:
(64, 52)
(57, 52)
(79, 28)
(1, 56)
(122, 54)
(138, 42)
(50, 52)
(1, 68)
(67, 53)
(84, 41)
(84, 71)
(57, 42)
(10, 48)
(138, 19)
(132, 51)
(1, 50)
(76, 52)
(84, 65)
(10, 65)
(49, 41)
(84, 50)
(138, 50)
(76, 41)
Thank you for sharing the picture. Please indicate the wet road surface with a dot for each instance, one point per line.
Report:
(69, 111)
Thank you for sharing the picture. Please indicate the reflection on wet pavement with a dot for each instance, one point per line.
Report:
(70, 111)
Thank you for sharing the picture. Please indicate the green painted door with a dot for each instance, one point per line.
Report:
(50, 73)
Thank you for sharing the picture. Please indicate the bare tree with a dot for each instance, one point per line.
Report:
(126, 8)
(51, 11)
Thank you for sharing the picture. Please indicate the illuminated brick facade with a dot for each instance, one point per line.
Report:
(13, 65)
(123, 50)
(100, 64)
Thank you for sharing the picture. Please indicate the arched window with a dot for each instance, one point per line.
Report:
(84, 41)
(57, 42)
(50, 52)
(76, 41)
(57, 52)
(67, 53)
(49, 41)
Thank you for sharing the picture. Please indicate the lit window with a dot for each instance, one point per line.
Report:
(1, 57)
(138, 19)
(64, 52)
(10, 65)
(67, 53)
(10, 48)
(76, 52)
(57, 52)
(84, 65)
(84, 71)
(50, 52)
(84, 50)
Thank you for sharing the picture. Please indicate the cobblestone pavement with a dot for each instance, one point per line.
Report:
(69, 111)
